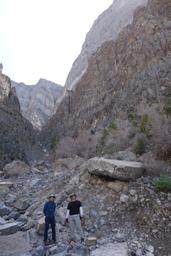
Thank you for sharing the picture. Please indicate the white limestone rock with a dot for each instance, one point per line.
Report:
(116, 169)
(9, 228)
(15, 245)
(119, 249)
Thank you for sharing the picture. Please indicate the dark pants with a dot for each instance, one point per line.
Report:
(49, 221)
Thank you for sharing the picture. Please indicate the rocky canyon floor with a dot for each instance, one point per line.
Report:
(121, 218)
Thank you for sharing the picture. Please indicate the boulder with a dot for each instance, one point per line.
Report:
(14, 215)
(91, 241)
(78, 250)
(8, 184)
(21, 205)
(2, 221)
(4, 210)
(118, 186)
(9, 228)
(15, 245)
(116, 169)
(16, 168)
(120, 237)
(119, 249)
(5, 188)
(124, 198)
(40, 251)
(10, 199)
(41, 226)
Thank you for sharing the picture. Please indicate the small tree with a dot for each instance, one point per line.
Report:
(139, 147)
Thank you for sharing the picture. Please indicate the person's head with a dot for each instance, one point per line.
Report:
(73, 197)
(52, 198)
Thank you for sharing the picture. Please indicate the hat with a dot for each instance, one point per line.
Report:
(52, 196)
(72, 195)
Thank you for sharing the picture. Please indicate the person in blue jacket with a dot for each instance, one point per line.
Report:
(49, 212)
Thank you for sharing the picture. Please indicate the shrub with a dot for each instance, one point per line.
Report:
(103, 150)
(132, 117)
(145, 124)
(163, 184)
(113, 125)
(54, 142)
(105, 133)
(139, 147)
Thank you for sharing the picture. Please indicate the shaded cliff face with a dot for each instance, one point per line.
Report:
(38, 102)
(107, 27)
(16, 133)
(127, 81)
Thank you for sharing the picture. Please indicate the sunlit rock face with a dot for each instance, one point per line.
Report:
(126, 76)
(38, 102)
(4, 86)
(107, 27)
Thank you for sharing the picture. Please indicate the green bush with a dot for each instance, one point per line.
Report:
(145, 124)
(54, 142)
(139, 147)
(105, 133)
(167, 108)
(113, 125)
(133, 118)
(163, 184)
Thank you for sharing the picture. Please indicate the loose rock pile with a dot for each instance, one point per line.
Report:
(121, 218)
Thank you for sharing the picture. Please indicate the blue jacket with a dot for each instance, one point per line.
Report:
(49, 209)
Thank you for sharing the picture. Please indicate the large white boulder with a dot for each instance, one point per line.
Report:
(15, 245)
(110, 249)
(116, 169)
(41, 226)
(9, 228)
(16, 168)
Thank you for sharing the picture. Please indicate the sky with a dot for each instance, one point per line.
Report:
(42, 38)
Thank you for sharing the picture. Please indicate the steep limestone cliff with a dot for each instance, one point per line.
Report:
(127, 82)
(38, 102)
(16, 133)
(107, 27)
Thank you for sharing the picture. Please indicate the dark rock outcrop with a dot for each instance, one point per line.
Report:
(16, 133)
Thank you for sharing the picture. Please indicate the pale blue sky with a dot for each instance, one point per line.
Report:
(42, 38)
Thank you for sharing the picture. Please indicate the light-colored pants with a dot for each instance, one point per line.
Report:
(75, 226)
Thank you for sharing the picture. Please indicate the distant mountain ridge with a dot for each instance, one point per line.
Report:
(38, 102)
